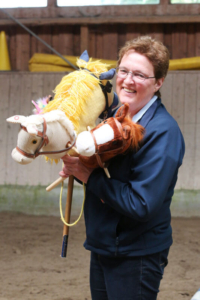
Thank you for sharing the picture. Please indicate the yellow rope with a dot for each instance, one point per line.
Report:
(61, 213)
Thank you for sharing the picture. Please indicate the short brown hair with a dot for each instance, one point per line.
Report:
(154, 50)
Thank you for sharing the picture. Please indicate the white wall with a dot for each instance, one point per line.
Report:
(180, 94)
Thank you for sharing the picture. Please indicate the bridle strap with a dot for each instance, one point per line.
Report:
(34, 155)
(29, 155)
(44, 141)
(60, 151)
(97, 153)
(105, 89)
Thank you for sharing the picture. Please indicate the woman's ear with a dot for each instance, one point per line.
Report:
(159, 83)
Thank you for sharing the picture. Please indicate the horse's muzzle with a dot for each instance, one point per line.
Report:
(21, 159)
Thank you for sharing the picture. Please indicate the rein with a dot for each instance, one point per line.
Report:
(45, 142)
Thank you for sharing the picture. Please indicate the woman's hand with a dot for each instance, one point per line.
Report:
(73, 166)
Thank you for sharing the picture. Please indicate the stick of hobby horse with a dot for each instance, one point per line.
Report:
(67, 209)
(67, 215)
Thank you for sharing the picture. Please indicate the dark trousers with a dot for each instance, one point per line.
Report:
(126, 278)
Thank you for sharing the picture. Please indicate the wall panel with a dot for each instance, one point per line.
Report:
(180, 95)
(101, 41)
(191, 41)
(22, 49)
(110, 42)
(45, 34)
(4, 111)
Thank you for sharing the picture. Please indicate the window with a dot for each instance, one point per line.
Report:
(23, 3)
(104, 2)
(184, 1)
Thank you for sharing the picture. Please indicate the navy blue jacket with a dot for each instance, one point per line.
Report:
(135, 217)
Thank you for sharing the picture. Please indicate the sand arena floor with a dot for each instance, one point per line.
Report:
(31, 267)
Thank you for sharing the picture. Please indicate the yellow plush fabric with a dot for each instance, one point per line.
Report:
(52, 59)
(191, 63)
(52, 63)
(79, 94)
(48, 68)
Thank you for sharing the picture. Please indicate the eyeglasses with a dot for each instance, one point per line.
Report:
(123, 73)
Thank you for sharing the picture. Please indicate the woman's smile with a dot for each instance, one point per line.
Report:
(129, 91)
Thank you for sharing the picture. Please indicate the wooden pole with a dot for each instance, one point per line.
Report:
(55, 183)
(67, 216)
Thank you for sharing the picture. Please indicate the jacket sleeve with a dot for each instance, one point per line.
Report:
(153, 174)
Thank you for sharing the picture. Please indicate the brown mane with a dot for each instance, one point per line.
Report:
(136, 133)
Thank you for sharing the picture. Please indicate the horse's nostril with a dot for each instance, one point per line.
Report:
(34, 142)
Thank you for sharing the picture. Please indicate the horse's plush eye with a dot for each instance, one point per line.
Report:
(34, 142)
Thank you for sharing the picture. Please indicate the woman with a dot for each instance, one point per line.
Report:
(129, 232)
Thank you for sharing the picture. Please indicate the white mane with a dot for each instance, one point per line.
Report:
(58, 115)
(50, 117)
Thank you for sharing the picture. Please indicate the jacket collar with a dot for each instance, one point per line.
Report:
(149, 113)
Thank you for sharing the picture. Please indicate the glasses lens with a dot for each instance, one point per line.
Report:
(122, 72)
(139, 76)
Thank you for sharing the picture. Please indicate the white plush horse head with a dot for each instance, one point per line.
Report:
(59, 131)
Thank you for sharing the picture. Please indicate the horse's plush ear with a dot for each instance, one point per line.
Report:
(32, 129)
(122, 112)
(16, 119)
(107, 75)
(126, 132)
(84, 56)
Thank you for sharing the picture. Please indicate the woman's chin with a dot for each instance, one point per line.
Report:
(126, 97)
(128, 100)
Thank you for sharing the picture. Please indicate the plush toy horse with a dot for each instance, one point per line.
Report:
(42, 135)
(79, 99)
(115, 135)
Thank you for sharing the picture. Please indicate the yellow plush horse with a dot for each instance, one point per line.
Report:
(79, 94)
